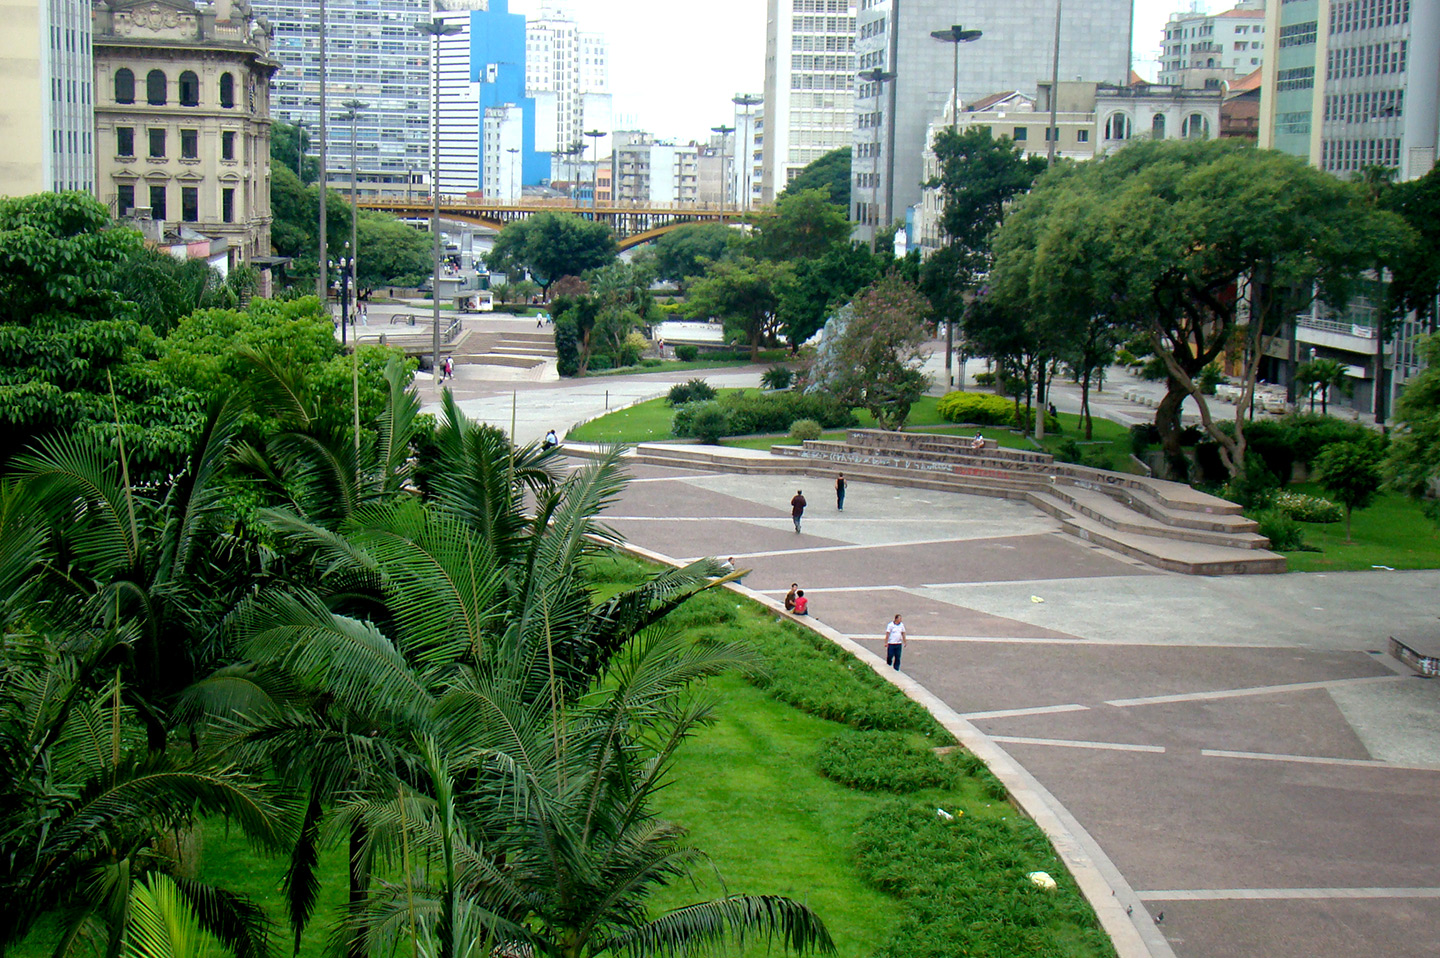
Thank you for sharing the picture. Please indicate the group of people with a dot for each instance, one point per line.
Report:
(795, 601)
(447, 368)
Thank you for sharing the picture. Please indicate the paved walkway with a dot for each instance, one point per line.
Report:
(1240, 748)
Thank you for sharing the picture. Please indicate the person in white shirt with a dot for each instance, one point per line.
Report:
(894, 642)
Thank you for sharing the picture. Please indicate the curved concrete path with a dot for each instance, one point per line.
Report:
(1236, 754)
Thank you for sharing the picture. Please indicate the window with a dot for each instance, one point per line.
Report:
(157, 143)
(1157, 127)
(157, 202)
(1117, 127)
(1020, 134)
(155, 88)
(1195, 127)
(1082, 136)
(227, 90)
(189, 144)
(227, 205)
(124, 86)
(124, 141)
(124, 199)
(189, 89)
(190, 203)
(227, 145)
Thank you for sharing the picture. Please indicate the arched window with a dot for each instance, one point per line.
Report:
(1117, 127)
(1157, 127)
(124, 86)
(155, 88)
(1195, 127)
(227, 90)
(189, 89)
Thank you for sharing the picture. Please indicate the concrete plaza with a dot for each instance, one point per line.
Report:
(1239, 752)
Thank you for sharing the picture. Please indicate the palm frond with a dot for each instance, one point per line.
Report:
(163, 924)
(196, 496)
(395, 429)
(78, 481)
(302, 879)
(238, 923)
(737, 919)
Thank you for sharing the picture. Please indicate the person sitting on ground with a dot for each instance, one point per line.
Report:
(802, 604)
(790, 597)
(551, 441)
(978, 442)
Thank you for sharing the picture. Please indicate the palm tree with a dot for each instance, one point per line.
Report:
(1324, 375)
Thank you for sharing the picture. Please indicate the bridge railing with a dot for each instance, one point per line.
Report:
(548, 203)
(452, 331)
(402, 319)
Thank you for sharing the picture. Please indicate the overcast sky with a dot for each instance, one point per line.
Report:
(675, 64)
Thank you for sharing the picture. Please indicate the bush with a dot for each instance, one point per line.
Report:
(1283, 531)
(1307, 435)
(1154, 369)
(567, 346)
(1093, 457)
(710, 422)
(1068, 451)
(650, 362)
(1142, 437)
(682, 425)
(881, 762)
(633, 348)
(1210, 377)
(686, 353)
(1125, 357)
(1303, 508)
(777, 377)
(805, 429)
(696, 390)
(988, 409)
(752, 412)
(984, 379)
(601, 362)
(1255, 488)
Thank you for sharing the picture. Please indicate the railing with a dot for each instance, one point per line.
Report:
(452, 332)
(1331, 326)
(402, 319)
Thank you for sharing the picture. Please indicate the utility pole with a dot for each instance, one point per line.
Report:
(437, 29)
(322, 279)
(595, 168)
(724, 132)
(353, 108)
(747, 100)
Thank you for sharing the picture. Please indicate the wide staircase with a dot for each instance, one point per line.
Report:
(1165, 524)
(519, 354)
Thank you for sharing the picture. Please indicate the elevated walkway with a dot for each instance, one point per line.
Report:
(1164, 524)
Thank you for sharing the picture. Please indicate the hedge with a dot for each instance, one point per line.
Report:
(988, 409)
(747, 412)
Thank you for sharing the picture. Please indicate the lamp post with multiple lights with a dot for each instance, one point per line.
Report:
(352, 114)
(747, 100)
(513, 150)
(322, 253)
(595, 166)
(437, 29)
(724, 132)
(955, 35)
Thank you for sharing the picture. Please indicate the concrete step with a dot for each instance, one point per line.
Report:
(524, 336)
(1066, 501)
(985, 459)
(491, 359)
(1175, 555)
(940, 443)
(1141, 500)
(509, 349)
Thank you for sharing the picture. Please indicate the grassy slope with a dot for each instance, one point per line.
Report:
(1393, 532)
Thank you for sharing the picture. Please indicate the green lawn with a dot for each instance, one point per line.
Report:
(1393, 532)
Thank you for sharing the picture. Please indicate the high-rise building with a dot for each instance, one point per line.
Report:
(47, 109)
(1214, 47)
(182, 118)
(1352, 85)
(809, 86)
(375, 55)
(652, 172)
(1015, 53)
(567, 73)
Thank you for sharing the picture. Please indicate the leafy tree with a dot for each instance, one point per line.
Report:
(1350, 473)
(391, 252)
(285, 142)
(745, 293)
(686, 251)
(550, 245)
(623, 302)
(877, 359)
(818, 286)
(832, 172)
(1321, 375)
(164, 288)
(802, 225)
(1413, 459)
(1415, 273)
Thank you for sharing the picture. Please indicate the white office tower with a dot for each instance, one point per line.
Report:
(460, 110)
(809, 86)
(1201, 47)
(48, 113)
(567, 73)
(502, 152)
(1014, 53)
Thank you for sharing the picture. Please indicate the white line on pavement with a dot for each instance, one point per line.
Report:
(1015, 713)
(1281, 894)
(1075, 743)
(1258, 690)
(1315, 760)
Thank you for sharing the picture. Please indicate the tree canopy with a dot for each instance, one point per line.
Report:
(801, 225)
(551, 245)
(684, 252)
(877, 358)
(745, 293)
(830, 172)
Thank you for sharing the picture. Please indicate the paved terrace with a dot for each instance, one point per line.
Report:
(1239, 749)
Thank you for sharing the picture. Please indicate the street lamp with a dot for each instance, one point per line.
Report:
(352, 114)
(436, 28)
(346, 265)
(747, 100)
(956, 35)
(595, 168)
(1054, 134)
(724, 131)
(878, 77)
(300, 150)
(323, 250)
(513, 150)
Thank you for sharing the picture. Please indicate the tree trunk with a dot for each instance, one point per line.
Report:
(1040, 399)
(1085, 405)
(1167, 423)
(1347, 522)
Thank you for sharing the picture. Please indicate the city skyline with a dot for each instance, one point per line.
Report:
(701, 60)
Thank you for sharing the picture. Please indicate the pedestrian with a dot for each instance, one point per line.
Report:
(840, 492)
(894, 642)
(802, 604)
(790, 597)
(364, 315)
(797, 508)
(551, 440)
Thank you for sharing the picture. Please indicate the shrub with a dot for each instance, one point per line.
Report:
(1154, 369)
(984, 379)
(752, 412)
(777, 377)
(696, 390)
(1255, 488)
(1210, 377)
(1093, 457)
(1303, 508)
(881, 762)
(686, 353)
(650, 362)
(980, 409)
(1307, 435)
(805, 429)
(1283, 531)
(633, 348)
(1142, 437)
(682, 425)
(1068, 451)
(1125, 357)
(601, 362)
(710, 422)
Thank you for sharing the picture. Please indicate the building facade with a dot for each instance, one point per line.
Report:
(47, 111)
(1214, 46)
(651, 172)
(1350, 85)
(1015, 53)
(809, 86)
(375, 55)
(567, 73)
(182, 117)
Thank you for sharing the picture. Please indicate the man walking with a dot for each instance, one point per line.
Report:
(840, 492)
(894, 642)
(797, 508)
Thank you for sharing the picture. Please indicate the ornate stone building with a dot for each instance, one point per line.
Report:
(182, 117)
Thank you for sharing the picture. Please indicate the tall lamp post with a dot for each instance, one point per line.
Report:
(576, 153)
(955, 36)
(1054, 134)
(878, 77)
(323, 252)
(437, 29)
(513, 150)
(300, 150)
(346, 266)
(595, 166)
(724, 131)
(352, 114)
(747, 100)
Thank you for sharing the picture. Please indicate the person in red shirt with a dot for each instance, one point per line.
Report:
(802, 604)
